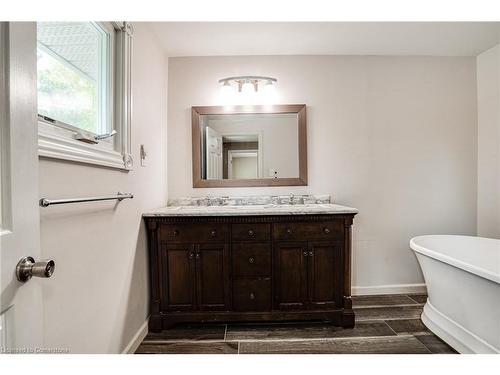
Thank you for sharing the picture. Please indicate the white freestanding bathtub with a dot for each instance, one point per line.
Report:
(462, 275)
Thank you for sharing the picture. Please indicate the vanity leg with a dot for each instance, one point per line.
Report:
(154, 324)
(348, 318)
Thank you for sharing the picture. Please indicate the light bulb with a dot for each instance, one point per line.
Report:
(227, 93)
(248, 94)
(247, 88)
(268, 93)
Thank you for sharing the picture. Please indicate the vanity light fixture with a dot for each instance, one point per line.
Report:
(247, 83)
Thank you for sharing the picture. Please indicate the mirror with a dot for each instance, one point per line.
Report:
(249, 146)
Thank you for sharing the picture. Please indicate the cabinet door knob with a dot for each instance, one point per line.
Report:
(311, 253)
(213, 233)
(305, 253)
(252, 296)
(191, 255)
(198, 255)
(288, 231)
(251, 233)
(176, 232)
(251, 260)
(326, 230)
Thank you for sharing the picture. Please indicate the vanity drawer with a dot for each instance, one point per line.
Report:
(251, 232)
(252, 294)
(307, 231)
(251, 258)
(194, 233)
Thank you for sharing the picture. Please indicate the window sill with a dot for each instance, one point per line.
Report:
(57, 144)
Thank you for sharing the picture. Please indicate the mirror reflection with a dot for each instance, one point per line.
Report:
(249, 146)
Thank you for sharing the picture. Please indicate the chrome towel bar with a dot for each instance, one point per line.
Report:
(44, 202)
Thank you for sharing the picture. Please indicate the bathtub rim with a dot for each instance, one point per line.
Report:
(478, 271)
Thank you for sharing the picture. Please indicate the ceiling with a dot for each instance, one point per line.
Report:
(326, 38)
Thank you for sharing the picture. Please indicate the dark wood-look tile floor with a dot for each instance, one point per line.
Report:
(385, 324)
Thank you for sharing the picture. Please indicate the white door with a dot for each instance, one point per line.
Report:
(214, 154)
(21, 315)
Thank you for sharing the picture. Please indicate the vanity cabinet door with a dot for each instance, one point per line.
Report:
(290, 273)
(324, 268)
(178, 277)
(212, 276)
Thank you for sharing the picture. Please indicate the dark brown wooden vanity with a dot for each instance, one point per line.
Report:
(250, 269)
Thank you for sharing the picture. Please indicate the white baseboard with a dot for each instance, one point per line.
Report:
(137, 339)
(389, 289)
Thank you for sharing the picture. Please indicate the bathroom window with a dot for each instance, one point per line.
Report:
(83, 86)
(73, 75)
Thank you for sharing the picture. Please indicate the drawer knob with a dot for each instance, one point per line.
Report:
(176, 232)
(288, 231)
(252, 296)
(213, 233)
(251, 233)
(251, 260)
(326, 230)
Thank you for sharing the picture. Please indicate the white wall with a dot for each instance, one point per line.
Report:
(488, 162)
(392, 136)
(98, 297)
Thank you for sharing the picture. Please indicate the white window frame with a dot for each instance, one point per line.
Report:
(58, 142)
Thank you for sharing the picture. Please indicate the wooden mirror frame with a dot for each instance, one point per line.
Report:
(299, 109)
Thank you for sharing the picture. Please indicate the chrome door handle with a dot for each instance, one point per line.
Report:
(27, 268)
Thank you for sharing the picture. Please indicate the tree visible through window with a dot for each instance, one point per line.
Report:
(72, 74)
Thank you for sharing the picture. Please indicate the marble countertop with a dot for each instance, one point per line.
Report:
(252, 210)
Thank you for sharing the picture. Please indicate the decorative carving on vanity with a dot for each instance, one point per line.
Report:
(250, 268)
